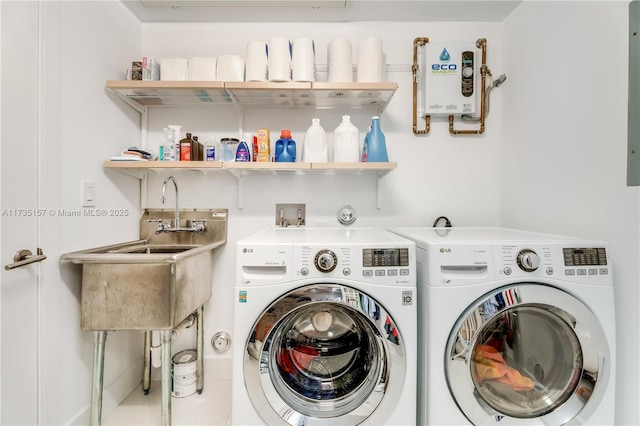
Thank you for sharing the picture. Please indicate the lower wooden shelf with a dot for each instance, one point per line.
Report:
(140, 169)
(142, 166)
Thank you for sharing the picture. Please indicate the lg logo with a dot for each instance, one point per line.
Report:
(246, 250)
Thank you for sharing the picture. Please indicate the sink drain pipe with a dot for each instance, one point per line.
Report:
(155, 343)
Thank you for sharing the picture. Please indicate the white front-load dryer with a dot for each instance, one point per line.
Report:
(516, 328)
(324, 328)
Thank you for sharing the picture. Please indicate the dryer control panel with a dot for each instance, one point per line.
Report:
(582, 263)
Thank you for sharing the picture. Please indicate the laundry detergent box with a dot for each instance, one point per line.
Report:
(264, 148)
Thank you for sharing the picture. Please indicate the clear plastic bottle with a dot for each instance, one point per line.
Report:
(169, 150)
(346, 146)
(177, 131)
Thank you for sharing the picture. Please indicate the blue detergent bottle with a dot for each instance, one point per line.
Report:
(285, 148)
(377, 146)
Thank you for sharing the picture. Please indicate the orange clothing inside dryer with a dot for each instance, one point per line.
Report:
(490, 365)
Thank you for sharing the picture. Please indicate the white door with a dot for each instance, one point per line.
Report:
(19, 205)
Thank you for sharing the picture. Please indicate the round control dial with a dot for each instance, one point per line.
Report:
(326, 261)
(528, 260)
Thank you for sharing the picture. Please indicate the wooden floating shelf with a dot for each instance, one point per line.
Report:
(247, 166)
(143, 94)
(163, 165)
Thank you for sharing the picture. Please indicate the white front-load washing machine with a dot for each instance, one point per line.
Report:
(515, 328)
(324, 328)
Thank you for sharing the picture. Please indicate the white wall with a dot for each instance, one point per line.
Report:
(83, 44)
(564, 147)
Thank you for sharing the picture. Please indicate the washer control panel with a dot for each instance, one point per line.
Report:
(383, 264)
(385, 257)
(590, 256)
(366, 255)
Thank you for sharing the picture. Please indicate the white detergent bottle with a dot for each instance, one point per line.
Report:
(315, 144)
(346, 146)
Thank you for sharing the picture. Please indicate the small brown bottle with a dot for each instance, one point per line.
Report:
(185, 148)
(198, 148)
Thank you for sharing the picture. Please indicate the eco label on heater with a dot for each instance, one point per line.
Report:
(443, 66)
(242, 296)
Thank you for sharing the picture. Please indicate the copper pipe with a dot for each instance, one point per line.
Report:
(420, 41)
(482, 44)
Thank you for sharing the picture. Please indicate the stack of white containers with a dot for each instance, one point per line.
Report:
(281, 60)
(371, 61)
(230, 68)
(339, 61)
(202, 69)
(303, 60)
(223, 68)
(257, 63)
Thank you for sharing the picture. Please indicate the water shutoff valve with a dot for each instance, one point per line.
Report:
(221, 341)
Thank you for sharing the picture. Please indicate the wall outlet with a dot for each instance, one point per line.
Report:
(88, 193)
(291, 215)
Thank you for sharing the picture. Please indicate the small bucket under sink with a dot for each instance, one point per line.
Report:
(183, 371)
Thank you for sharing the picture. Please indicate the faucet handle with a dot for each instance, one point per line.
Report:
(161, 226)
(197, 225)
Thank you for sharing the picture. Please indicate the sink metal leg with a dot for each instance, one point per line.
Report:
(200, 350)
(146, 374)
(99, 339)
(166, 377)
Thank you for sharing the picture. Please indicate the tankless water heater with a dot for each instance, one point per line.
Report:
(450, 74)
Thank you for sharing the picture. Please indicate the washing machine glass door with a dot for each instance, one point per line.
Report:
(326, 358)
(527, 352)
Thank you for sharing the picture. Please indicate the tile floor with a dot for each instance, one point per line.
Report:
(211, 408)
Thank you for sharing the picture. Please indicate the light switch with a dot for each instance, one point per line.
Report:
(88, 193)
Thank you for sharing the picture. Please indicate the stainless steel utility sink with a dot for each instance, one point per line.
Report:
(155, 282)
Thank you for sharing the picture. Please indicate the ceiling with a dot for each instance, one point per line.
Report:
(320, 10)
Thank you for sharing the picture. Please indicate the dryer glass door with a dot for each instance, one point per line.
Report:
(527, 351)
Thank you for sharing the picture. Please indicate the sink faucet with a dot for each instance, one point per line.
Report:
(164, 199)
